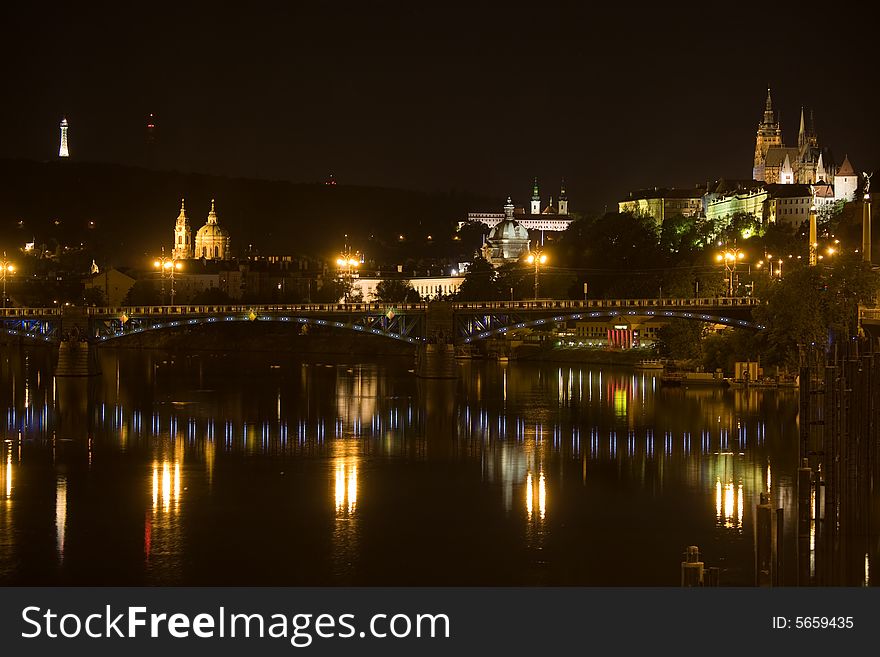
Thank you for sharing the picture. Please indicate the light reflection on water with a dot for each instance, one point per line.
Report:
(347, 473)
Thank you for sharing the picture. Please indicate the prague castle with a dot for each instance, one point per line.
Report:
(804, 164)
(787, 182)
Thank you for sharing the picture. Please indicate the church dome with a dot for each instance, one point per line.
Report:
(212, 240)
(508, 229)
(211, 231)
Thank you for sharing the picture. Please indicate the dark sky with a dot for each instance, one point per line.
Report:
(461, 96)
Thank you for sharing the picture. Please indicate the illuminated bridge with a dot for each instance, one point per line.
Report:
(450, 322)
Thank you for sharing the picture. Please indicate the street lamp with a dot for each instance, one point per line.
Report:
(537, 258)
(347, 263)
(8, 268)
(729, 257)
(167, 267)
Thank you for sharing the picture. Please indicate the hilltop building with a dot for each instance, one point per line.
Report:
(551, 217)
(660, 203)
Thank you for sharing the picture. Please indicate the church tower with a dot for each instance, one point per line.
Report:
(821, 174)
(536, 199)
(182, 236)
(786, 175)
(769, 135)
(563, 199)
(62, 149)
(846, 182)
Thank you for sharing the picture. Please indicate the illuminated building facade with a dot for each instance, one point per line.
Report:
(619, 332)
(551, 217)
(212, 240)
(777, 163)
(661, 203)
(768, 203)
(428, 287)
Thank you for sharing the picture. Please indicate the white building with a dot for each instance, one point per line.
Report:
(428, 287)
(551, 217)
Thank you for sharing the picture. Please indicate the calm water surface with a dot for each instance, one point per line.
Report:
(260, 469)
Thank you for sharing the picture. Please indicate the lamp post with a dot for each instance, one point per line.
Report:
(167, 267)
(8, 268)
(536, 258)
(729, 257)
(347, 263)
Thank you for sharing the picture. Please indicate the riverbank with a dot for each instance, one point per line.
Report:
(585, 356)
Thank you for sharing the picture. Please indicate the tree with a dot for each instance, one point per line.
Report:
(681, 339)
(814, 306)
(332, 291)
(211, 296)
(143, 293)
(480, 283)
(94, 296)
(396, 290)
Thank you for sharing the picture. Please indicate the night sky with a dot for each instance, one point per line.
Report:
(452, 98)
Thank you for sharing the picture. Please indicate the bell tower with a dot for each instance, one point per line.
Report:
(536, 199)
(563, 199)
(182, 236)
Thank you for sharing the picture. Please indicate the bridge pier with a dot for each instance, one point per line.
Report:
(435, 359)
(77, 354)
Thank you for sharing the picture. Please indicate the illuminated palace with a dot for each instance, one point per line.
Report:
(552, 217)
(212, 240)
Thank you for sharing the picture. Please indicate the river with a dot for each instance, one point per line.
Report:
(262, 469)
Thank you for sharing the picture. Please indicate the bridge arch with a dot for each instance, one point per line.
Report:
(148, 324)
(616, 312)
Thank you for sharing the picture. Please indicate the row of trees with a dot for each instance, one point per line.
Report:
(809, 306)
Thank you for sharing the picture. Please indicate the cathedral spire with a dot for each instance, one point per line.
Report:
(212, 215)
(768, 109)
(802, 132)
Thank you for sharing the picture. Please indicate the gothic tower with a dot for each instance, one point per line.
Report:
(536, 199)
(182, 236)
(769, 134)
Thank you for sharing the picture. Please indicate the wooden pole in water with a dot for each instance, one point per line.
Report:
(804, 493)
(779, 573)
(692, 568)
(763, 542)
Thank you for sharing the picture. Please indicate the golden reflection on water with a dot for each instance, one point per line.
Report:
(60, 514)
(346, 487)
(345, 466)
(8, 482)
(536, 489)
(729, 504)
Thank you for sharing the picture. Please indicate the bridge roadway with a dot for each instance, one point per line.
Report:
(470, 320)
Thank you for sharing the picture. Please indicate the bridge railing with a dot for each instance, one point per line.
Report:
(555, 304)
(30, 312)
(191, 309)
(382, 307)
